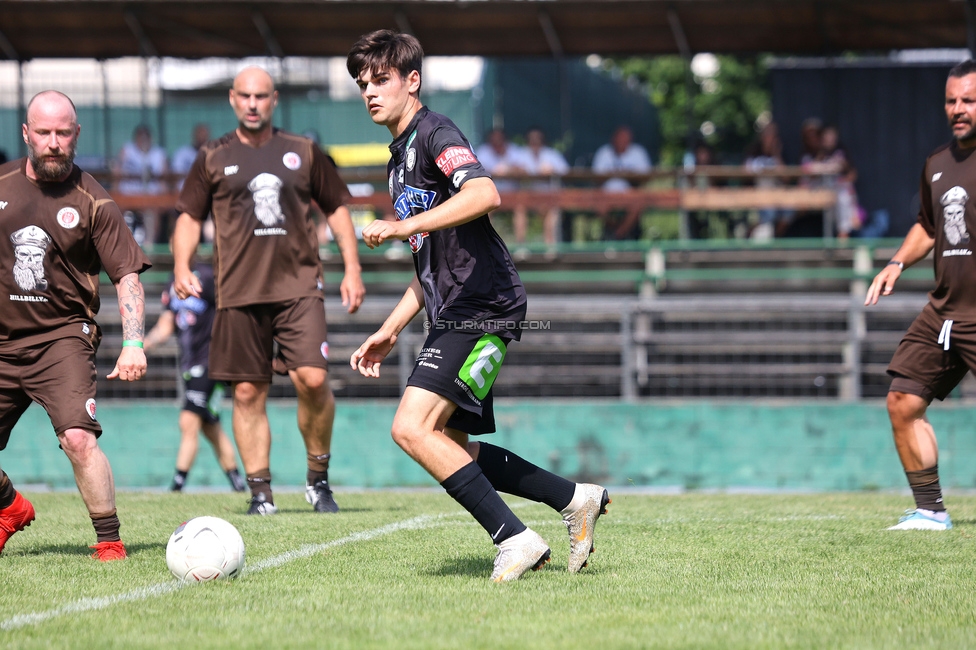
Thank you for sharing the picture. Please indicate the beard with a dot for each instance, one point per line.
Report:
(28, 278)
(52, 168)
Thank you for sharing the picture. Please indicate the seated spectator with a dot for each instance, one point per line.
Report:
(766, 152)
(140, 166)
(501, 158)
(185, 155)
(139, 169)
(833, 159)
(541, 160)
(810, 132)
(621, 154)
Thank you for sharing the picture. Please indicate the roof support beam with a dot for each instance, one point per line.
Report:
(678, 32)
(274, 47)
(971, 27)
(552, 36)
(8, 48)
(403, 23)
(146, 47)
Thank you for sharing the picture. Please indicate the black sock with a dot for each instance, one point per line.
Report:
(179, 480)
(260, 484)
(514, 475)
(7, 491)
(312, 477)
(106, 526)
(926, 489)
(469, 487)
(235, 479)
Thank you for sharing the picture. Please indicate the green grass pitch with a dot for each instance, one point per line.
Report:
(410, 570)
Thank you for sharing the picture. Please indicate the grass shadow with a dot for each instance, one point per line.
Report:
(474, 566)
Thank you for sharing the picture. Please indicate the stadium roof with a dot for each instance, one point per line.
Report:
(196, 29)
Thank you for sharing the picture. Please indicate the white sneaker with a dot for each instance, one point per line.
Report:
(261, 507)
(920, 519)
(518, 554)
(582, 522)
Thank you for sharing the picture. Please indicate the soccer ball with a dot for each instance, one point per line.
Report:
(205, 548)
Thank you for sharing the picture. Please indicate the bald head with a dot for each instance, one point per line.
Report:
(51, 103)
(51, 134)
(255, 78)
(253, 99)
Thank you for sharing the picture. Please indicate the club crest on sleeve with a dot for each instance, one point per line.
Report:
(324, 348)
(90, 408)
(292, 160)
(68, 217)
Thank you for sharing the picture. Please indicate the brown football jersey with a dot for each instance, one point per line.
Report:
(55, 238)
(947, 213)
(265, 247)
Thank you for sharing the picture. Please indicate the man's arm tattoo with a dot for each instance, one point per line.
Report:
(132, 307)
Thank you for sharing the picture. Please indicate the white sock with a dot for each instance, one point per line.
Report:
(579, 497)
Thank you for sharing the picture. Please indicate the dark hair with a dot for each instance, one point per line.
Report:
(962, 69)
(384, 50)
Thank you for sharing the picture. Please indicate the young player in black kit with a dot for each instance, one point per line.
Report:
(193, 319)
(475, 303)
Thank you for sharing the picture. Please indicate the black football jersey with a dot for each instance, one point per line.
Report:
(466, 272)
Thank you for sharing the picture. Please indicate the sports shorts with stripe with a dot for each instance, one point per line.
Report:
(933, 356)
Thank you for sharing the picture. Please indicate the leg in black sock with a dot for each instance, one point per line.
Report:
(926, 489)
(514, 475)
(469, 487)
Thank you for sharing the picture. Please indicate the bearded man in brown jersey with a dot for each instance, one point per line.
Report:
(259, 181)
(940, 346)
(58, 230)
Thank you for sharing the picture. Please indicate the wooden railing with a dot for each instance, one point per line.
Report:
(718, 188)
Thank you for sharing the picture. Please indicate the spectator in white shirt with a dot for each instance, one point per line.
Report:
(621, 154)
(501, 158)
(185, 155)
(541, 160)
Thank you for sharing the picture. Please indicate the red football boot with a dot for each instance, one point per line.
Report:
(108, 551)
(15, 517)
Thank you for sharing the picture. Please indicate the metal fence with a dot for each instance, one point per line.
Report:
(824, 346)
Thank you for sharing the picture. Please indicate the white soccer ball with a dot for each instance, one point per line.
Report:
(205, 548)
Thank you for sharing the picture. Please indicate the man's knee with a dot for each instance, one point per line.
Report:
(905, 408)
(77, 443)
(311, 380)
(247, 394)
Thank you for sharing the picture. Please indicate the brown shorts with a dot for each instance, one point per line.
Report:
(933, 356)
(58, 375)
(242, 348)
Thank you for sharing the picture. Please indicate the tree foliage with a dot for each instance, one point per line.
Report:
(731, 102)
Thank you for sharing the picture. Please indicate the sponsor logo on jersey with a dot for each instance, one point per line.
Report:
(3, 204)
(324, 349)
(411, 198)
(230, 170)
(90, 408)
(85, 329)
(454, 157)
(266, 193)
(411, 159)
(391, 183)
(30, 250)
(936, 176)
(68, 217)
(954, 216)
(458, 177)
(292, 160)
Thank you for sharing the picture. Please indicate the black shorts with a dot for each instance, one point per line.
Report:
(58, 375)
(242, 348)
(461, 365)
(201, 394)
(933, 356)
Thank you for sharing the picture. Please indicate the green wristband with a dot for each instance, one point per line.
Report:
(131, 344)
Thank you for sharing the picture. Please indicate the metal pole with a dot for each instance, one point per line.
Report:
(106, 118)
(628, 389)
(21, 107)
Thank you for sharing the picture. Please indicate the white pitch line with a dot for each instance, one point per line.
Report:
(91, 604)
